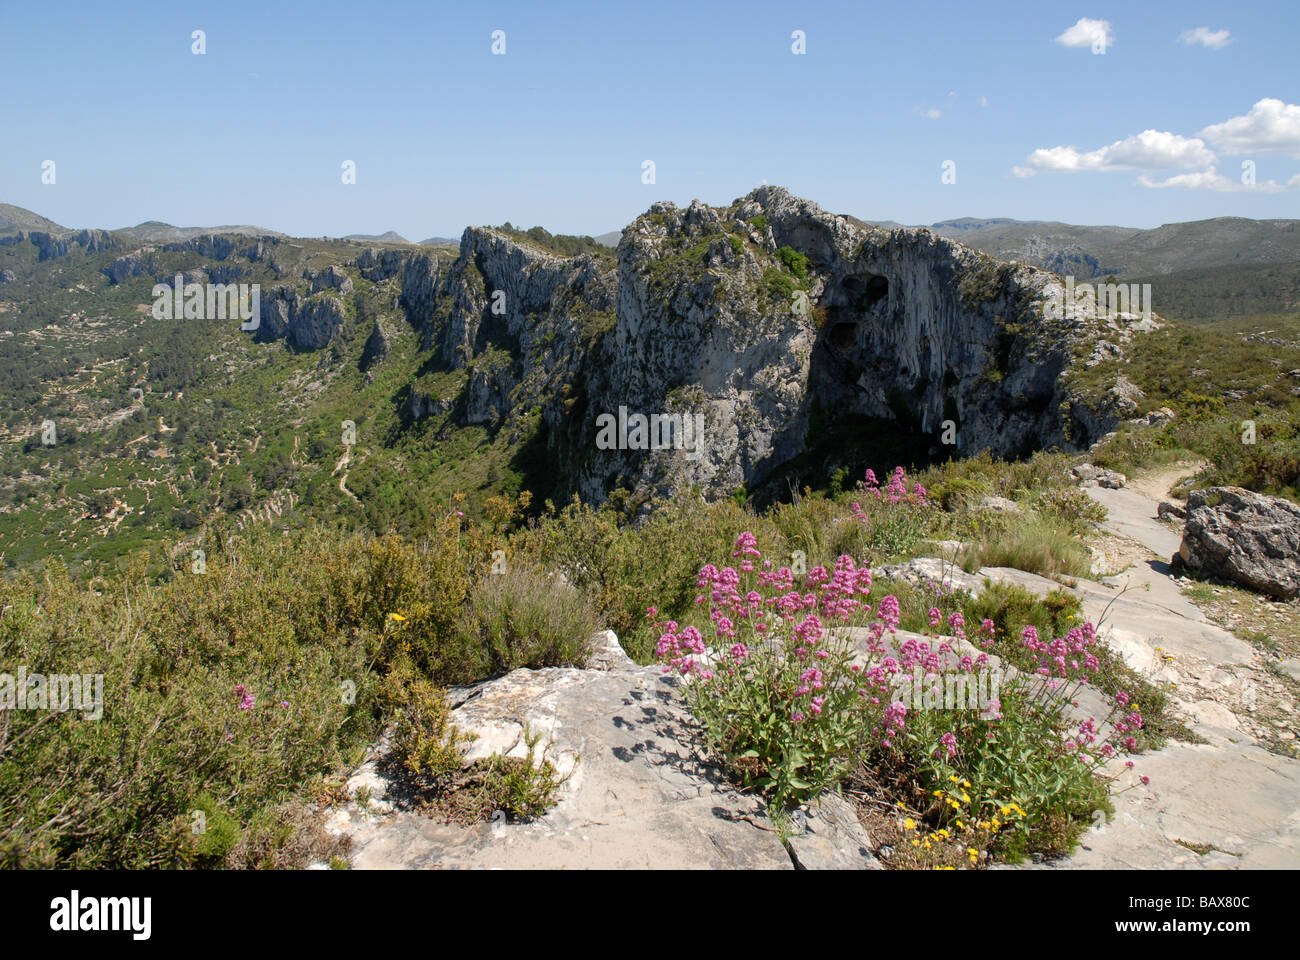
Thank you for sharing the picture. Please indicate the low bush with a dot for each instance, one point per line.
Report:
(521, 617)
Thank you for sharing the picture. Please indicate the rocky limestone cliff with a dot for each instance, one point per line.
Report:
(52, 246)
(775, 321)
(308, 323)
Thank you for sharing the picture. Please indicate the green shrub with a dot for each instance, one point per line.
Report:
(524, 618)
(794, 261)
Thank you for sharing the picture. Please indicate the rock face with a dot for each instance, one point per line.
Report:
(831, 838)
(89, 241)
(376, 265)
(378, 343)
(771, 321)
(309, 323)
(1245, 537)
(331, 278)
(637, 794)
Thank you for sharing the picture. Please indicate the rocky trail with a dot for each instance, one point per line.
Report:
(1231, 801)
(637, 794)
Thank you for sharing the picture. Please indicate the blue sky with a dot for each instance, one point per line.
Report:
(444, 133)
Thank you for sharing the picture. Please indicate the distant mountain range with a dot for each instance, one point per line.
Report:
(1207, 268)
(155, 231)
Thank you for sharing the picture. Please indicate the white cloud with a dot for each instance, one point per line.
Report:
(1271, 126)
(1150, 149)
(934, 113)
(1094, 34)
(984, 101)
(1211, 179)
(1214, 39)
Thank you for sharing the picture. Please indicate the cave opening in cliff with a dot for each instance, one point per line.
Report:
(865, 291)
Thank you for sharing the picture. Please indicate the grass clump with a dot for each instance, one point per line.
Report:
(1030, 543)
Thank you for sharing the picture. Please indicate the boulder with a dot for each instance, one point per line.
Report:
(997, 505)
(1170, 511)
(1089, 475)
(1245, 537)
(331, 278)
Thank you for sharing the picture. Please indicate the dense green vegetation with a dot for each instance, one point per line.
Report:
(1234, 387)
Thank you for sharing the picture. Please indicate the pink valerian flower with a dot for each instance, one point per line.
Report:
(651, 613)
(739, 652)
(813, 677)
(949, 743)
(936, 617)
(816, 705)
(895, 715)
(747, 546)
(246, 699)
(889, 612)
(676, 648)
(809, 631)
(1145, 780)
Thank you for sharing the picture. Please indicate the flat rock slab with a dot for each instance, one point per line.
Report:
(1232, 805)
(637, 794)
(1133, 515)
(829, 836)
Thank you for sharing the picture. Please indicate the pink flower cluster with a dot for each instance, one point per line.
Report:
(246, 699)
(1066, 658)
(679, 649)
(895, 491)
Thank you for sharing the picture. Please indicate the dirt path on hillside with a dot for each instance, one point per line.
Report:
(343, 480)
(1156, 484)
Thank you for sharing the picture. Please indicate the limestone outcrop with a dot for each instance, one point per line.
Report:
(773, 323)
